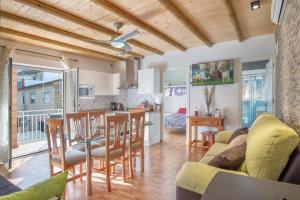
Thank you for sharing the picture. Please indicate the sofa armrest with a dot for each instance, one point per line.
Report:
(224, 136)
(196, 176)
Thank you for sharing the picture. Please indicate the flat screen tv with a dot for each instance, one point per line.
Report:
(213, 73)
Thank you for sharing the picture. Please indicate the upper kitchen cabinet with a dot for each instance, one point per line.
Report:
(103, 83)
(149, 81)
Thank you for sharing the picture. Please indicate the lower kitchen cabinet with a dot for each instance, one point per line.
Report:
(152, 133)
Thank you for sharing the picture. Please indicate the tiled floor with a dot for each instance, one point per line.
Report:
(31, 147)
(162, 162)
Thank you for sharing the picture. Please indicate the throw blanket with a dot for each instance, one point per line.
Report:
(177, 120)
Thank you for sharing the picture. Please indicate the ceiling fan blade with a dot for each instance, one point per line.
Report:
(126, 47)
(100, 41)
(128, 36)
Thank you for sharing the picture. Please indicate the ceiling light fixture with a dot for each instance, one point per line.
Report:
(255, 5)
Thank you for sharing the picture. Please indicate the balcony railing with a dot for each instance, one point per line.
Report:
(32, 124)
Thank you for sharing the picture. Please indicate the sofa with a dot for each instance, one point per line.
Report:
(272, 152)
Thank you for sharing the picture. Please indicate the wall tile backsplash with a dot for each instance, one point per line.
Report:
(98, 102)
(129, 98)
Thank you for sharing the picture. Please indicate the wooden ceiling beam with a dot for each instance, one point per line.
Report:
(138, 22)
(188, 23)
(233, 18)
(56, 30)
(84, 22)
(82, 50)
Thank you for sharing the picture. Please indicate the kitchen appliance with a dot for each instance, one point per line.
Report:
(86, 91)
(116, 106)
(120, 106)
(113, 105)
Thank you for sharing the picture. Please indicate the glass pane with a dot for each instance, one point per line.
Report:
(256, 90)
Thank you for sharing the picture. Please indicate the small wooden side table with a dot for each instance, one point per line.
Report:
(196, 121)
(236, 187)
(208, 139)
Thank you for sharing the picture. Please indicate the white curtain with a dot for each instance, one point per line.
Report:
(4, 104)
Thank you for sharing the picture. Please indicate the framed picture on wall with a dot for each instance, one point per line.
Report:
(213, 73)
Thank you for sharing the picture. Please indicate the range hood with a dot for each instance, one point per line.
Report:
(129, 73)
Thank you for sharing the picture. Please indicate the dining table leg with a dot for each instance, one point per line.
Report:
(88, 167)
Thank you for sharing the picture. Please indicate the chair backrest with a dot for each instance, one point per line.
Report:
(119, 124)
(55, 131)
(137, 127)
(97, 123)
(77, 126)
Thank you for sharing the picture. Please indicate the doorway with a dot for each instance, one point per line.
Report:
(38, 93)
(257, 90)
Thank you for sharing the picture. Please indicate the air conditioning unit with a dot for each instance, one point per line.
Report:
(278, 8)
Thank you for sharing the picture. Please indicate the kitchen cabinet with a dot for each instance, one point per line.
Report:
(148, 81)
(104, 83)
(116, 83)
(152, 133)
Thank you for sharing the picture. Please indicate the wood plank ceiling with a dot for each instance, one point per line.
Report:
(166, 25)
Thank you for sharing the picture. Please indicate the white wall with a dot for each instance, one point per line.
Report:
(83, 62)
(227, 96)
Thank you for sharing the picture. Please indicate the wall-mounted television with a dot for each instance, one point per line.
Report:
(213, 73)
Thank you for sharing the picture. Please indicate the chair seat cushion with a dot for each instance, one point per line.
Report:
(72, 157)
(81, 146)
(101, 142)
(135, 145)
(101, 153)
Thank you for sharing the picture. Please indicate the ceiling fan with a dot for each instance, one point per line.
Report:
(120, 42)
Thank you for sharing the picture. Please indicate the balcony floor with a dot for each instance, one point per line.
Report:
(30, 147)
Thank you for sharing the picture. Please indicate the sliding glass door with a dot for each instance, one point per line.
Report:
(257, 90)
(37, 93)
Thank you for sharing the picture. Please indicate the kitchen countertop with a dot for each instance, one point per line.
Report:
(110, 110)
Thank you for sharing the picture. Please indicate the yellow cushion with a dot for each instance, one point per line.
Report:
(224, 136)
(196, 176)
(206, 159)
(216, 149)
(269, 144)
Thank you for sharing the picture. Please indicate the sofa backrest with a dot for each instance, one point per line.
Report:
(270, 142)
(291, 173)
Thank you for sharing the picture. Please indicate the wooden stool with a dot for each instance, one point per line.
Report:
(208, 139)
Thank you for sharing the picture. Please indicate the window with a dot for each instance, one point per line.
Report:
(32, 97)
(47, 96)
(23, 99)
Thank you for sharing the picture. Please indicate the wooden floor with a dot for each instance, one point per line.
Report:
(162, 162)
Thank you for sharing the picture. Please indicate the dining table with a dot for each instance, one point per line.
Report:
(88, 150)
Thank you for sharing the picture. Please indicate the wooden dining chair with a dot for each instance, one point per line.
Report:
(97, 126)
(136, 139)
(59, 156)
(78, 130)
(114, 150)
